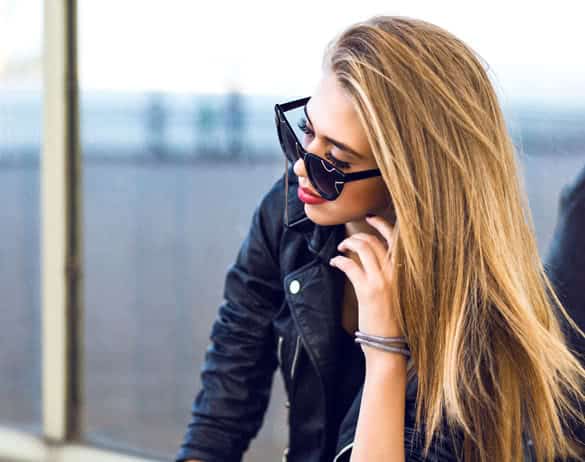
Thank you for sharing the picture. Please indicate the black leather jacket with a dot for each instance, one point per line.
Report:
(565, 266)
(281, 309)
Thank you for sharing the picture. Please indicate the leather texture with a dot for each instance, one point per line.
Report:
(281, 311)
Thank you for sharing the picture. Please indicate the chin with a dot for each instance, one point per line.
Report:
(325, 218)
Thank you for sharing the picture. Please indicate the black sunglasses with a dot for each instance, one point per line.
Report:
(327, 179)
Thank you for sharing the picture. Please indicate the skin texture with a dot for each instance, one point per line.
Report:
(380, 427)
(332, 115)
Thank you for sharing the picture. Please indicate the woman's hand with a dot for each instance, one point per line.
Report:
(372, 277)
(380, 428)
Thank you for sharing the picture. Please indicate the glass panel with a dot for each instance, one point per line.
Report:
(20, 146)
(171, 177)
(552, 138)
(179, 145)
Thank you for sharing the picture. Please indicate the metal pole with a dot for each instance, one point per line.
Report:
(61, 230)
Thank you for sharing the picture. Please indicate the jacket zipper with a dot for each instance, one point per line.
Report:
(279, 349)
(345, 449)
(295, 357)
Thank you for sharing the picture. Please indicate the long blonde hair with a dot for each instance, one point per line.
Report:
(472, 294)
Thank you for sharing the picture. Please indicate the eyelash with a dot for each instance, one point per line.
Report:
(334, 160)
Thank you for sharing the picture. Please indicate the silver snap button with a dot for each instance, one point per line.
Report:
(294, 286)
(287, 404)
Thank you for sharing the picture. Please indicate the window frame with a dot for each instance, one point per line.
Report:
(61, 437)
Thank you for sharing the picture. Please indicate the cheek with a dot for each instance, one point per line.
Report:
(356, 200)
(364, 196)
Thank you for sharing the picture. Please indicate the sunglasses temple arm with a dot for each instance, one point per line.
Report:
(294, 104)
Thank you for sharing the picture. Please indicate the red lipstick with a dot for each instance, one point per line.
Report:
(308, 198)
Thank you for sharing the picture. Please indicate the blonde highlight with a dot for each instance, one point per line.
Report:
(474, 299)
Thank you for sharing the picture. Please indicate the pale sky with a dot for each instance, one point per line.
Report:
(534, 48)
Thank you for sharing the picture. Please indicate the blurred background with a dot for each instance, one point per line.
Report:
(178, 146)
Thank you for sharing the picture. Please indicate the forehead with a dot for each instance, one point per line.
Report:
(333, 115)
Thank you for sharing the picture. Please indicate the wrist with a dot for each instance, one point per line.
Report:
(383, 362)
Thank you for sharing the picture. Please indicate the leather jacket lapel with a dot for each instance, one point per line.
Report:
(315, 304)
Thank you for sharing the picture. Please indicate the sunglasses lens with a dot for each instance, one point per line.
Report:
(289, 145)
(295, 130)
(324, 177)
(278, 129)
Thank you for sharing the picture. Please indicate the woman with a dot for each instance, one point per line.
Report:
(403, 125)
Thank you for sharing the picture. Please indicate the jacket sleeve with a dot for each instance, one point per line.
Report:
(565, 261)
(240, 361)
(565, 267)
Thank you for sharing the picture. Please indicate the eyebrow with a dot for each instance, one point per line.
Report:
(340, 145)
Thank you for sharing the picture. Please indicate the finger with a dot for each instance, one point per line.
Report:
(383, 227)
(387, 231)
(352, 269)
(377, 245)
(364, 251)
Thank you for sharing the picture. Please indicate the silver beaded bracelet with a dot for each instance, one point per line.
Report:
(377, 338)
(381, 346)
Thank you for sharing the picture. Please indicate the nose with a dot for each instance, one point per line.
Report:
(299, 168)
(313, 146)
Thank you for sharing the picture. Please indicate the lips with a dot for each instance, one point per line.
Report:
(308, 198)
(308, 192)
